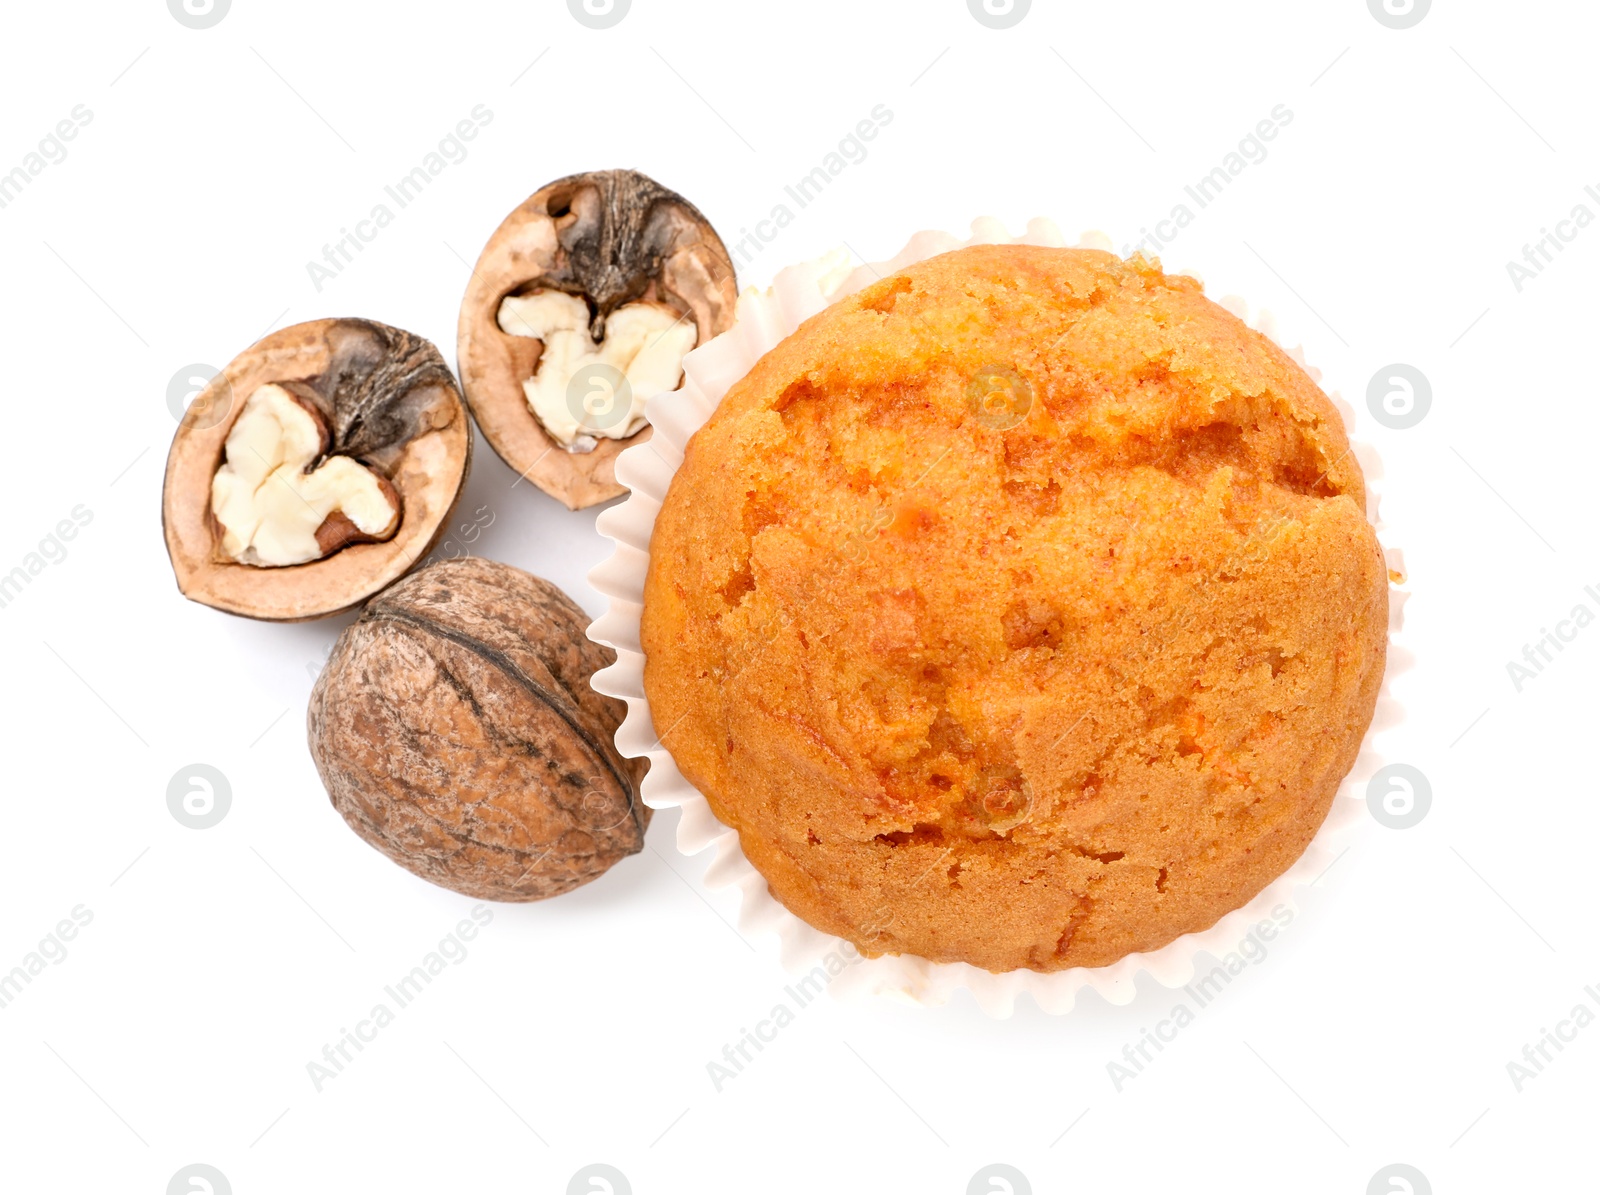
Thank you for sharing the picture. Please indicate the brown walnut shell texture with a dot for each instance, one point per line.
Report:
(612, 237)
(456, 731)
(388, 399)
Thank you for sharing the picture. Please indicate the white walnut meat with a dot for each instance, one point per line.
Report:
(456, 731)
(341, 448)
(640, 356)
(280, 499)
(541, 375)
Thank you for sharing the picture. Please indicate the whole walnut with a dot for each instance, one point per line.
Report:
(456, 731)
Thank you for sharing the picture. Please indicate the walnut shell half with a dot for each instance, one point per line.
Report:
(611, 237)
(384, 398)
(456, 731)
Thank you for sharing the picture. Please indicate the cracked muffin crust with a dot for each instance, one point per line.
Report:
(1019, 609)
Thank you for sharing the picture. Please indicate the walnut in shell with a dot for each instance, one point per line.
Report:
(319, 466)
(456, 731)
(579, 310)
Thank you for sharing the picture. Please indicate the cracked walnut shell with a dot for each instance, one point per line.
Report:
(620, 249)
(318, 467)
(456, 731)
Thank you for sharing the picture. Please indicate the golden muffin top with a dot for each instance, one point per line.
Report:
(1019, 609)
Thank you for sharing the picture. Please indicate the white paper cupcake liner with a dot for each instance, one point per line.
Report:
(764, 319)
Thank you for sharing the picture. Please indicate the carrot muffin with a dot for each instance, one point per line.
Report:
(1019, 610)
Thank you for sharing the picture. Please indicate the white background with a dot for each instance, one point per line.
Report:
(218, 162)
